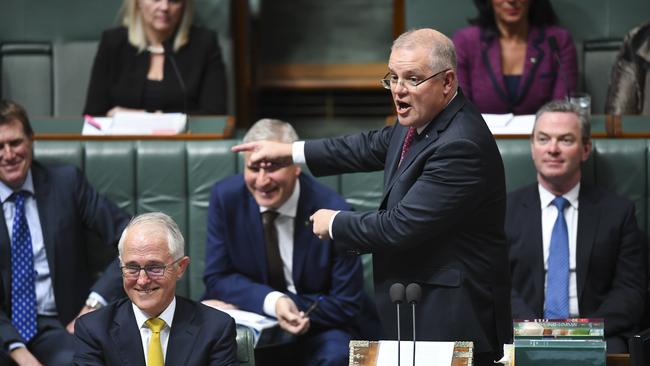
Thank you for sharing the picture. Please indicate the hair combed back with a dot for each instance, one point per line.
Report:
(175, 240)
(11, 111)
(271, 129)
(132, 20)
(442, 51)
(564, 106)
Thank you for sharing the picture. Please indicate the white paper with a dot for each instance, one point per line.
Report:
(426, 353)
(103, 125)
(519, 125)
(497, 120)
(252, 320)
(136, 123)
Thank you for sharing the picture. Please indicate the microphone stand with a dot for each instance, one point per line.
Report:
(413, 294)
(396, 293)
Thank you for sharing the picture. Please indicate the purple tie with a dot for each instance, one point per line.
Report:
(407, 143)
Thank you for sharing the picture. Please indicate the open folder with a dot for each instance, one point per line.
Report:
(136, 123)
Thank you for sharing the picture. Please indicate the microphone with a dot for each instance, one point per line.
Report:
(413, 294)
(552, 42)
(169, 54)
(397, 297)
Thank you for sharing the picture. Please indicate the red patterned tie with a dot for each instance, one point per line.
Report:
(407, 143)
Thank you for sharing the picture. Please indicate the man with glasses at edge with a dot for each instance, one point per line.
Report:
(154, 324)
(440, 222)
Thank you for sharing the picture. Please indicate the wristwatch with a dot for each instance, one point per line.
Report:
(93, 303)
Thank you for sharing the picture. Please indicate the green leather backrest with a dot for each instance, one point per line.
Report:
(142, 176)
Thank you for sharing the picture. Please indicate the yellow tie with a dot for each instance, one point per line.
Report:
(154, 351)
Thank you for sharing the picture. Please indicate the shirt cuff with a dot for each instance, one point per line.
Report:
(298, 152)
(331, 223)
(98, 297)
(13, 346)
(269, 303)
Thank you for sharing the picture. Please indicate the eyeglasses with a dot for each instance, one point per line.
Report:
(153, 271)
(413, 81)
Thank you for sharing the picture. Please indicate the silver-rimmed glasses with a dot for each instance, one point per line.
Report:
(389, 82)
(153, 271)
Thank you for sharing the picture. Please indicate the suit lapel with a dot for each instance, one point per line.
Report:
(588, 218)
(532, 240)
(256, 235)
(126, 335)
(47, 214)
(183, 332)
(425, 138)
(5, 262)
(302, 234)
(491, 58)
(534, 56)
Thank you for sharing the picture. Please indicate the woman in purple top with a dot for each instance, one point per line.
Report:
(513, 58)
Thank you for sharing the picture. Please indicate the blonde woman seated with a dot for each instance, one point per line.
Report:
(157, 61)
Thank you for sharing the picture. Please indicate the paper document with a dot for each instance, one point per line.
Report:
(426, 353)
(497, 120)
(518, 125)
(135, 123)
(252, 320)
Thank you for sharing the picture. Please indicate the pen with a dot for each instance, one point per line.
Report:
(313, 306)
(91, 121)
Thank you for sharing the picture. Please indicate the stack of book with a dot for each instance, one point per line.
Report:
(560, 342)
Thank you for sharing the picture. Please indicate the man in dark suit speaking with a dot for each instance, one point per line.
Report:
(49, 210)
(440, 222)
(575, 249)
(153, 324)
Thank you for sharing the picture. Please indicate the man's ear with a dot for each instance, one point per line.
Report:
(182, 266)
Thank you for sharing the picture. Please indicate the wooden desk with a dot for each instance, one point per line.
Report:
(364, 353)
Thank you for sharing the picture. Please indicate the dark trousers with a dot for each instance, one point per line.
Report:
(52, 345)
(316, 348)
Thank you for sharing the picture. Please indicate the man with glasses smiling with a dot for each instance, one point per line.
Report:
(154, 324)
(440, 223)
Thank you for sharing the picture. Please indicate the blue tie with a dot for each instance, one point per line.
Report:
(23, 293)
(556, 305)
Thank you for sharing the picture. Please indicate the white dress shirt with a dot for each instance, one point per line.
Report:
(549, 215)
(284, 224)
(145, 333)
(45, 304)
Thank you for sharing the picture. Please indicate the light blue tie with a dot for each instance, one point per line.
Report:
(23, 293)
(556, 305)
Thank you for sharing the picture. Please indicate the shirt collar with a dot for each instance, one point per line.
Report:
(290, 207)
(546, 198)
(28, 185)
(167, 315)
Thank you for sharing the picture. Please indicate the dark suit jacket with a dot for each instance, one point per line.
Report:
(200, 335)
(68, 207)
(236, 267)
(440, 223)
(610, 258)
(543, 80)
(119, 73)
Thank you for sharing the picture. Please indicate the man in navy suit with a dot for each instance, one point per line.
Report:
(605, 274)
(243, 269)
(153, 324)
(440, 223)
(60, 209)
